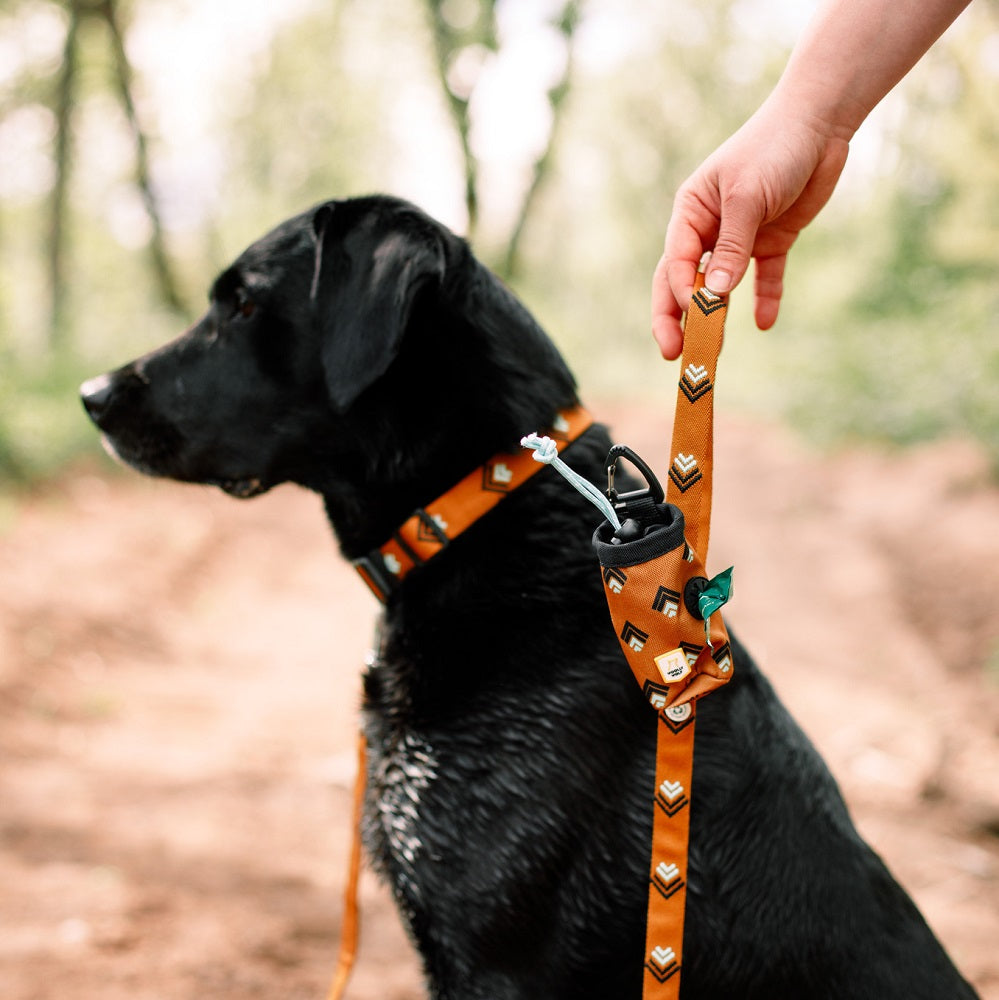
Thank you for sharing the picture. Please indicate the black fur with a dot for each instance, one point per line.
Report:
(360, 350)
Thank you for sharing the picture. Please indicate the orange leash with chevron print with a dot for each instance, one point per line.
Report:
(664, 611)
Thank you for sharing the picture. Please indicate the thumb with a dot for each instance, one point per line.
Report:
(730, 257)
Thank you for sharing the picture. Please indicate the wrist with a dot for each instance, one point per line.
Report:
(823, 103)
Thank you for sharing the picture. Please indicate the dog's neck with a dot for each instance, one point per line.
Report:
(474, 373)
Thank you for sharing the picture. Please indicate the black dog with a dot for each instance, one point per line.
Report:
(360, 350)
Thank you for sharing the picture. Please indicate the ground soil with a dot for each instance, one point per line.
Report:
(179, 689)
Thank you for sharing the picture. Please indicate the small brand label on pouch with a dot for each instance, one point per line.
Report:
(673, 666)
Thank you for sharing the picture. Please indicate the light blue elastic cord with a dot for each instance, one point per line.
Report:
(546, 451)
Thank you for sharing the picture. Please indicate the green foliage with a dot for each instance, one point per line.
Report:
(888, 329)
(321, 117)
(894, 306)
(42, 424)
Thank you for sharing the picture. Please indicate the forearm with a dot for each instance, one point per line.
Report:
(853, 52)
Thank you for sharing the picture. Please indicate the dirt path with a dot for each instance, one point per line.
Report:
(178, 689)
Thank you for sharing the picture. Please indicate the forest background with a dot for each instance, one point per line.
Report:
(179, 672)
(144, 143)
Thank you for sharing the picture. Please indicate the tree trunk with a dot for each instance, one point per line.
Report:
(162, 267)
(567, 23)
(57, 250)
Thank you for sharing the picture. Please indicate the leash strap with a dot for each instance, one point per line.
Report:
(659, 597)
(350, 927)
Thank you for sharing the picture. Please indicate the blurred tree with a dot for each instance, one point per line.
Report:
(896, 291)
(554, 134)
(65, 101)
(566, 22)
(163, 271)
(66, 104)
(464, 31)
(458, 29)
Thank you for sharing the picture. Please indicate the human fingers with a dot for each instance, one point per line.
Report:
(691, 230)
(768, 289)
(668, 308)
(742, 212)
(776, 238)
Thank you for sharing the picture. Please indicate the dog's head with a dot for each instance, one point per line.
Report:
(347, 350)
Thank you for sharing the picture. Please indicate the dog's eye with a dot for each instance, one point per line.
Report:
(245, 306)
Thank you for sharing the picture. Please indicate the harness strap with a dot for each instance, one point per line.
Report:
(654, 583)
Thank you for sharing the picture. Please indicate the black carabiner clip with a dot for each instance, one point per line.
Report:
(625, 502)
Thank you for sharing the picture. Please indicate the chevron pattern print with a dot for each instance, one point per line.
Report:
(695, 382)
(664, 644)
(684, 472)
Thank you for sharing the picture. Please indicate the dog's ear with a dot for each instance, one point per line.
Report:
(363, 288)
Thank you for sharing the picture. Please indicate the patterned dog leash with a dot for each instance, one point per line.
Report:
(664, 611)
(652, 551)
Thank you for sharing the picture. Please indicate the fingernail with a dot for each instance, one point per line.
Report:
(719, 282)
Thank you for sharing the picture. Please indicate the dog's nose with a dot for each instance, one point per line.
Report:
(96, 395)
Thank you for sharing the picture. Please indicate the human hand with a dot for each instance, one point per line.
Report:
(750, 199)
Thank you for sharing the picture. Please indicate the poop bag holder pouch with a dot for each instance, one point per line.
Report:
(662, 606)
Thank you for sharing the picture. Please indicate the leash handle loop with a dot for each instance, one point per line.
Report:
(692, 450)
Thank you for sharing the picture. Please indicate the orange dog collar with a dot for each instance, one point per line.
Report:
(429, 529)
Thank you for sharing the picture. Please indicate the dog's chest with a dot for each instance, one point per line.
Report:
(402, 768)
